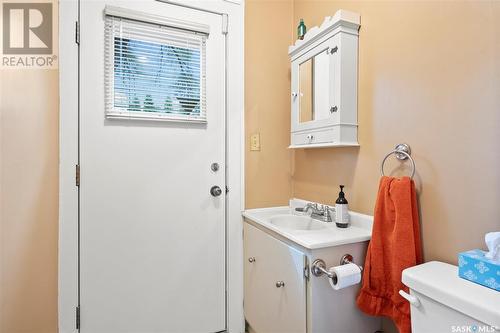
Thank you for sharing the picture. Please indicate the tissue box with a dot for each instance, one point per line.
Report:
(475, 267)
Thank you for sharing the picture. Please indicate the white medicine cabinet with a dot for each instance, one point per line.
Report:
(324, 68)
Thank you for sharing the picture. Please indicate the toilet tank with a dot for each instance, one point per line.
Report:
(443, 302)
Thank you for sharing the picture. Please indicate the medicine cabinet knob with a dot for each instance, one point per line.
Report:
(280, 284)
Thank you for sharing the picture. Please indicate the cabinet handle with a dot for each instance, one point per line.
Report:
(310, 137)
(280, 284)
(251, 259)
(333, 109)
(334, 49)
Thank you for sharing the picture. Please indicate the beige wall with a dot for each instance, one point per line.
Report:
(29, 153)
(268, 33)
(28, 200)
(29, 127)
(429, 74)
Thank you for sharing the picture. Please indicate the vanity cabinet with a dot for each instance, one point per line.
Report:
(278, 247)
(324, 69)
(275, 288)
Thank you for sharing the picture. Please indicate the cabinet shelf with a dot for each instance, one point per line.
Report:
(325, 145)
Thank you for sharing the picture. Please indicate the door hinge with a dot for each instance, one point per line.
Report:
(77, 175)
(77, 32)
(77, 312)
(306, 269)
(225, 23)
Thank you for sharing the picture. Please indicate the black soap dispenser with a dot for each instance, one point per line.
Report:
(342, 210)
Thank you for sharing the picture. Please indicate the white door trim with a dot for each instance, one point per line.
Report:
(68, 159)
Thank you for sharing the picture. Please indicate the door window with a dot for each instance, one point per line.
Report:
(154, 71)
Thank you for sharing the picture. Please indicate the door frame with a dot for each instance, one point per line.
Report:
(68, 274)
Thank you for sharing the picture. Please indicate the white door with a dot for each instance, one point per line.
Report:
(152, 236)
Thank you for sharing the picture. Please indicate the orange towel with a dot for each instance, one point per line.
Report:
(395, 245)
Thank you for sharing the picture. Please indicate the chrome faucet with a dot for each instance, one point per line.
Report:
(318, 212)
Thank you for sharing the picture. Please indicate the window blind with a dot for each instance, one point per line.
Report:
(154, 71)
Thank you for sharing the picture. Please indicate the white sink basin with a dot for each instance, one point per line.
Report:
(296, 222)
(306, 232)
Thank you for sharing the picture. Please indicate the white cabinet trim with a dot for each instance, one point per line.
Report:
(343, 20)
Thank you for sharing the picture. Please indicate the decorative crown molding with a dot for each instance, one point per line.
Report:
(342, 18)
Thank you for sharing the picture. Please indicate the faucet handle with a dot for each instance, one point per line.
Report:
(307, 209)
(328, 213)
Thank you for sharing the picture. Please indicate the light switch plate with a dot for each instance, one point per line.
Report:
(255, 142)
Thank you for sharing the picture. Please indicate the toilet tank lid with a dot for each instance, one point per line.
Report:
(440, 281)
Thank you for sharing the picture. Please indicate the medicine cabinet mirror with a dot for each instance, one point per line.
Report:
(313, 88)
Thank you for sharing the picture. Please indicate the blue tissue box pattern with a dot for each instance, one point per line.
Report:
(475, 267)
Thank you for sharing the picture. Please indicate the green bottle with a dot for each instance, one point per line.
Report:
(301, 29)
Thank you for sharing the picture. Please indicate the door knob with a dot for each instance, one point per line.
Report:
(215, 191)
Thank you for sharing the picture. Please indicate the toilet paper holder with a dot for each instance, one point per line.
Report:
(318, 267)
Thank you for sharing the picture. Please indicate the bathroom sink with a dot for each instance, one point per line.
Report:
(309, 233)
(296, 222)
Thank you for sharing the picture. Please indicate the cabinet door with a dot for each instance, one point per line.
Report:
(335, 76)
(315, 85)
(270, 308)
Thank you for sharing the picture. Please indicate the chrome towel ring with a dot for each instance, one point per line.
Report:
(402, 152)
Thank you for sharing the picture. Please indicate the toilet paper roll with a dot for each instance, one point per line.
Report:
(346, 275)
